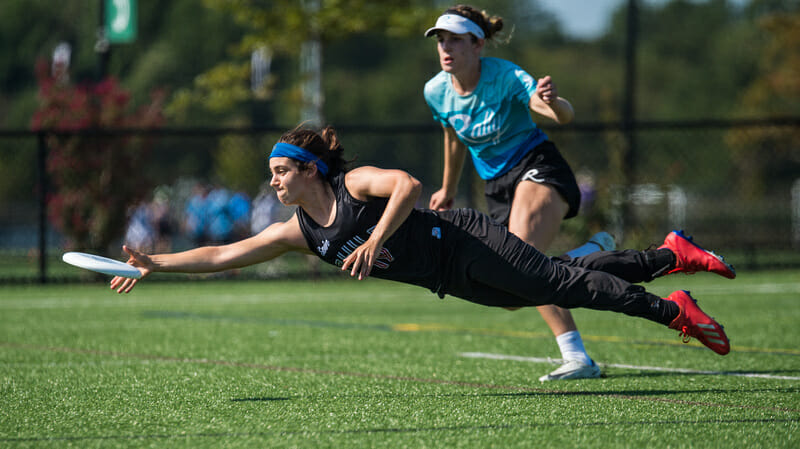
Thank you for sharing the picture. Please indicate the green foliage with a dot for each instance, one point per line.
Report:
(221, 87)
(775, 92)
(283, 26)
(693, 56)
(240, 164)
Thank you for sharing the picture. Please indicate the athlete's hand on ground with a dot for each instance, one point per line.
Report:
(440, 201)
(362, 259)
(546, 90)
(139, 260)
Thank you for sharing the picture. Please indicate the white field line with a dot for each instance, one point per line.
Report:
(516, 358)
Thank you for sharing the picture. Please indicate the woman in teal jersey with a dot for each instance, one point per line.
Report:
(484, 106)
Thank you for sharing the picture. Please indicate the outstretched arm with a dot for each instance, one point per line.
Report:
(402, 189)
(270, 243)
(546, 102)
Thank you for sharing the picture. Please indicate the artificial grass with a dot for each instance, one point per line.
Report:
(338, 363)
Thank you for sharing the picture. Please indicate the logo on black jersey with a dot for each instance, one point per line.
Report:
(383, 260)
(324, 248)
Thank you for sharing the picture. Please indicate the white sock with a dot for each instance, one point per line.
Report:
(571, 346)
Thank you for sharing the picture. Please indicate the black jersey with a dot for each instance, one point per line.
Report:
(411, 255)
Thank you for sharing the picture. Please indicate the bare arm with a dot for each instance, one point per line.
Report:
(270, 243)
(402, 190)
(454, 153)
(546, 102)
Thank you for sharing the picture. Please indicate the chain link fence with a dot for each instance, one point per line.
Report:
(735, 185)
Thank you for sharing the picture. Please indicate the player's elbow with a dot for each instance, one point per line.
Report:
(414, 187)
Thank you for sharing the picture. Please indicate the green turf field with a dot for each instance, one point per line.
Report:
(345, 364)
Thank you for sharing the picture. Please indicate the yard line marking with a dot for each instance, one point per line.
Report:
(435, 327)
(517, 358)
(393, 377)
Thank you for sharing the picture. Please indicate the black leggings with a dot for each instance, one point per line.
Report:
(488, 265)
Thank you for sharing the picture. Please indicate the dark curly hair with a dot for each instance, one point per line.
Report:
(324, 144)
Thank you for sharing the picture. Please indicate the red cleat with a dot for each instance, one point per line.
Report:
(691, 258)
(693, 322)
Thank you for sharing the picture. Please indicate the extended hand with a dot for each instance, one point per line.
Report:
(362, 259)
(139, 260)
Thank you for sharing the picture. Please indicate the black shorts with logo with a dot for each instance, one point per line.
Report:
(543, 164)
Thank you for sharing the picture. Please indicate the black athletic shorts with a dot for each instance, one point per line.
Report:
(543, 164)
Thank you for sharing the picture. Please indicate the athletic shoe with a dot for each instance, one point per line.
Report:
(693, 322)
(691, 258)
(573, 369)
(604, 240)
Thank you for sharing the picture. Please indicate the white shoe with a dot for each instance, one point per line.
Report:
(573, 369)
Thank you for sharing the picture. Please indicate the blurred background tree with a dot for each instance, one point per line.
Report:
(696, 59)
(94, 177)
(774, 92)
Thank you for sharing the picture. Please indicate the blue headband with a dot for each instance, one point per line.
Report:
(282, 149)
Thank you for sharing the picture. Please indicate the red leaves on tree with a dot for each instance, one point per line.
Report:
(94, 175)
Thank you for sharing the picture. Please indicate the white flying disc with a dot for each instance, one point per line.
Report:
(102, 264)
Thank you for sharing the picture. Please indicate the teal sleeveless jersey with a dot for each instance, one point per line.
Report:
(494, 120)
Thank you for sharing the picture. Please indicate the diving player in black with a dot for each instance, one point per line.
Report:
(364, 221)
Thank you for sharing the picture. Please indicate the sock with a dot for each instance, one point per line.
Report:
(602, 241)
(571, 346)
(665, 310)
(660, 261)
(637, 301)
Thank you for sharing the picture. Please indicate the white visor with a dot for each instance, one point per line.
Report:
(456, 24)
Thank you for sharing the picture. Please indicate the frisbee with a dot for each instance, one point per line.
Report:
(101, 264)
